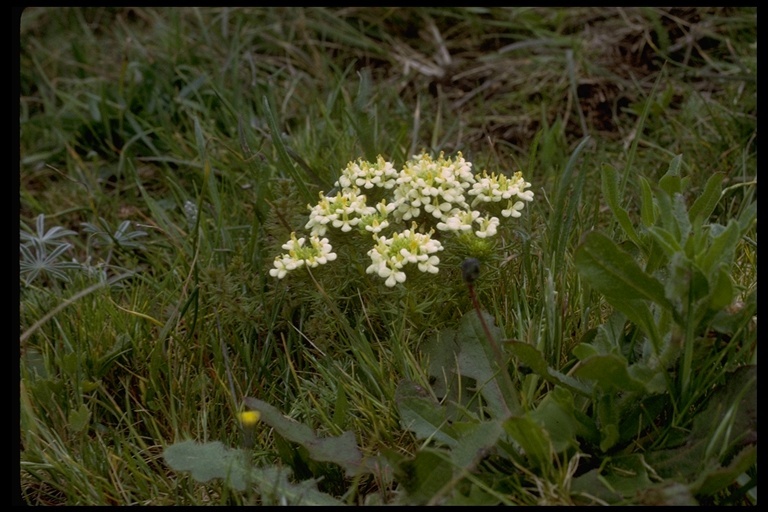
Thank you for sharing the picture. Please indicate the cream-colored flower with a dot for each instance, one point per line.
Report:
(318, 252)
(488, 226)
(458, 220)
(390, 255)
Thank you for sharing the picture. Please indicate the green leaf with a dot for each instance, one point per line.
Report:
(532, 438)
(555, 413)
(610, 187)
(614, 273)
(427, 419)
(666, 240)
(341, 450)
(705, 204)
(647, 209)
(638, 312)
(568, 195)
(475, 440)
(670, 182)
(425, 475)
(721, 249)
(609, 371)
(666, 493)
(722, 292)
(719, 478)
(78, 418)
(273, 482)
(680, 215)
(207, 461)
(686, 283)
(467, 351)
(627, 478)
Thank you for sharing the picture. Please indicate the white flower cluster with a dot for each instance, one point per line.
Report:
(390, 255)
(438, 187)
(319, 252)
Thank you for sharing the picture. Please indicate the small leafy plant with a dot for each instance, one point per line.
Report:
(42, 252)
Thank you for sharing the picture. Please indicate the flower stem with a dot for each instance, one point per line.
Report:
(471, 271)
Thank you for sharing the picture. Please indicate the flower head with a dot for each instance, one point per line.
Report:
(390, 255)
(366, 175)
(319, 252)
(249, 418)
(465, 208)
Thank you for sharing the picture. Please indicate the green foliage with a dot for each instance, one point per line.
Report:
(341, 450)
(213, 460)
(173, 150)
(41, 253)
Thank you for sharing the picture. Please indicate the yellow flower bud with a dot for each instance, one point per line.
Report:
(249, 418)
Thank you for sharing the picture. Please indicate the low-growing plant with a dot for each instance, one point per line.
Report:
(648, 414)
(540, 365)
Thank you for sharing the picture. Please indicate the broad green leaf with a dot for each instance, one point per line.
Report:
(427, 419)
(680, 214)
(626, 480)
(273, 482)
(584, 350)
(639, 313)
(476, 497)
(467, 352)
(557, 418)
(607, 338)
(475, 440)
(425, 475)
(667, 216)
(652, 378)
(341, 450)
(78, 418)
(666, 493)
(609, 371)
(686, 283)
(614, 273)
(206, 461)
(717, 479)
(670, 182)
(476, 360)
(721, 249)
(705, 204)
(532, 438)
(666, 240)
(722, 292)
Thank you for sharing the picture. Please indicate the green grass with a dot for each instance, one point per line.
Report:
(190, 141)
